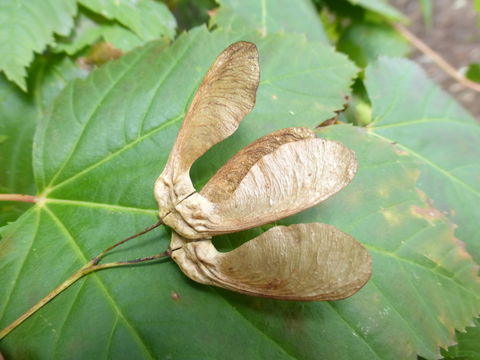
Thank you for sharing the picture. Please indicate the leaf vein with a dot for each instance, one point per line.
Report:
(92, 113)
(359, 333)
(24, 261)
(252, 324)
(433, 165)
(100, 283)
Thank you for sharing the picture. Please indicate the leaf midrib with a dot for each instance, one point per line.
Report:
(117, 152)
(22, 265)
(432, 270)
(423, 120)
(103, 288)
(431, 164)
(98, 106)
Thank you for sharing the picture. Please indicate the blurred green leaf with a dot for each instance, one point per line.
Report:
(426, 6)
(468, 347)
(365, 42)
(427, 124)
(473, 72)
(148, 19)
(27, 26)
(271, 16)
(88, 31)
(381, 7)
(125, 25)
(191, 13)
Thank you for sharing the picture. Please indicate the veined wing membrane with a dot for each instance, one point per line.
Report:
(291, 176)
(226, 94)
(299, 262)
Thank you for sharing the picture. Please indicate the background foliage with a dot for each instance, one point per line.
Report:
(89, 135)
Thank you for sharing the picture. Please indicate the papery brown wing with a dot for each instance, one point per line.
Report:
(277, 176)
(225, 96)
(297, 262)
(226, 180)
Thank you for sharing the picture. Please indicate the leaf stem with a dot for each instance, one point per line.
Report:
(18, 197)
(436, 58)
(91, 266)
(150, 228)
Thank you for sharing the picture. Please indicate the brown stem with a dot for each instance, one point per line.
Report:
(97, 258)
(436, 58)
(18, 197)
(89, 267)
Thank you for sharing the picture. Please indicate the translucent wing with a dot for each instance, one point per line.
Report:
(225, 96)
(276, 176)
(299, 262)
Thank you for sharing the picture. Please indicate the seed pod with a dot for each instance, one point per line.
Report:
(297, 262)
(276, 176)
(225, 96)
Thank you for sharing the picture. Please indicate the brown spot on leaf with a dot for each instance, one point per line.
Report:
(428, 212)
(462, 248)
(175, 296)
(100, 54)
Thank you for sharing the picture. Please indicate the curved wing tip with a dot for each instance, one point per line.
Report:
(245, 44)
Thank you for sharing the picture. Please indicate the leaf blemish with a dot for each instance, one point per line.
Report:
(429, 212)
(461, 247)
(391, 217)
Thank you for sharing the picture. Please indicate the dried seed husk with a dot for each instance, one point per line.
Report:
(278, 175)
(226, 94)
(307, 262)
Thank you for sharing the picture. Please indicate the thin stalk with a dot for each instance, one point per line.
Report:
(436, 58)
(150, 228)
(91, 266)
(18, 197)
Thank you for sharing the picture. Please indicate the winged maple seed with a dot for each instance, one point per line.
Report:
(278, 175)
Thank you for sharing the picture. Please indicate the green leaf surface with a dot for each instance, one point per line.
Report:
(18, 118)
(365, 42)
(87, 32)
(17, 124)
(426, 123)
(96, 158)
(148, 19)
(381, 7)
(271, 16)
(468, 347)
(52, 74)
(27, 26)
(191, 13)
